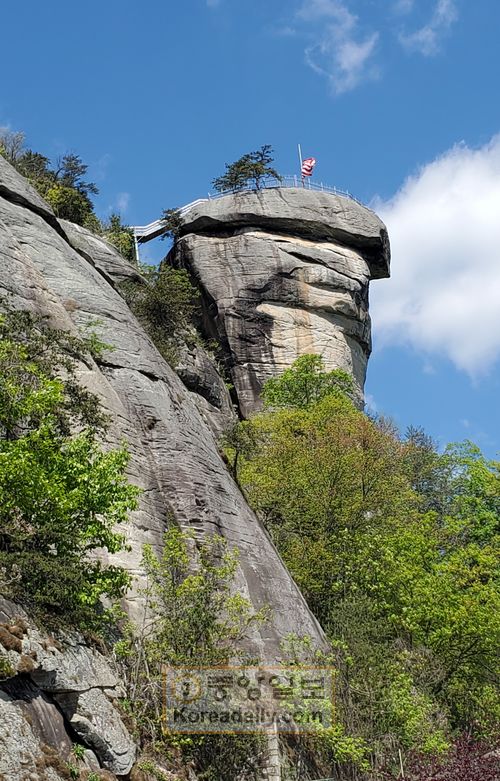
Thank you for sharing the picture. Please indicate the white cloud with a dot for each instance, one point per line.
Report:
(285, 31)
(338, 51)
(427, 39)
(444, 226)
(100, 167)
(122, 202)
(403, 6)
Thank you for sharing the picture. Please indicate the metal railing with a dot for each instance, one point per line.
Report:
(271, 182)
(143, 233)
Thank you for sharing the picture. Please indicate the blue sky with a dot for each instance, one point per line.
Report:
(397, 100)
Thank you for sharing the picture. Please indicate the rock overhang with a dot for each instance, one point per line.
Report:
(309, 214)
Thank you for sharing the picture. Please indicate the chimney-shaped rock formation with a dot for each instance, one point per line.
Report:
(283, 272)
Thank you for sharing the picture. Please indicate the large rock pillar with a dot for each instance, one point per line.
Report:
(284, 272)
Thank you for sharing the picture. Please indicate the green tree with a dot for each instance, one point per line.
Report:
(70, 171)
(165, 304)
(120, 235)
(68, 203)
(250, 170)
(197, 619)
(172, 221)
(61, 495)
(63, 186)
(396, 549)
(35, 167)
(306, 382)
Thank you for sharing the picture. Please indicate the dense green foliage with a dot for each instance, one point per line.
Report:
(198, 620)
(305, 383)
(60, 493)
(248, 171)
(118, 234)
(165, 303)
(62, 185)
(172, 222)
(396, 550)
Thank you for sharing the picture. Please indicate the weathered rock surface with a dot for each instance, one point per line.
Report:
(195, 368)
(174, 456)
(60, 691)
(315, 215)
(280, 276)
(209, 391)
(284, 272)
(21, 754)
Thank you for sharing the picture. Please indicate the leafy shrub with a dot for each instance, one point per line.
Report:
(62, 185)
(120, 235)
(196, 619)
(60, 493)
(165, 305)
(68, 203)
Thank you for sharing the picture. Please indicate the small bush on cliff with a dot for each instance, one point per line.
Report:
(165, 305)
(118, 234)
(249, 171)
(60, 493)
(172, 222)
(197, 620)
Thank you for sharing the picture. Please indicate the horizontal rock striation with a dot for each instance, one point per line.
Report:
(284, 272)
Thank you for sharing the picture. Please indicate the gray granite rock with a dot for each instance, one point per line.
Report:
(21, 754)
(270, 296)
(42, 713)
(63, 687)
(100, 254)
(210, 392)
(197, 370)
(71, 666)
(319, 216)
(94, 719)
(174, 455)
(18, 190)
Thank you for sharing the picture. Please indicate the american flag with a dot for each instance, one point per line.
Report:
(307, 166)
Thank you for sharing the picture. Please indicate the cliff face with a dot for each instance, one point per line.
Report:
(61, 270)
(284, 272)
(281, 273)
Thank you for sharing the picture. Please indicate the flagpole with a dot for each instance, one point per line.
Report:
(300, 158)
